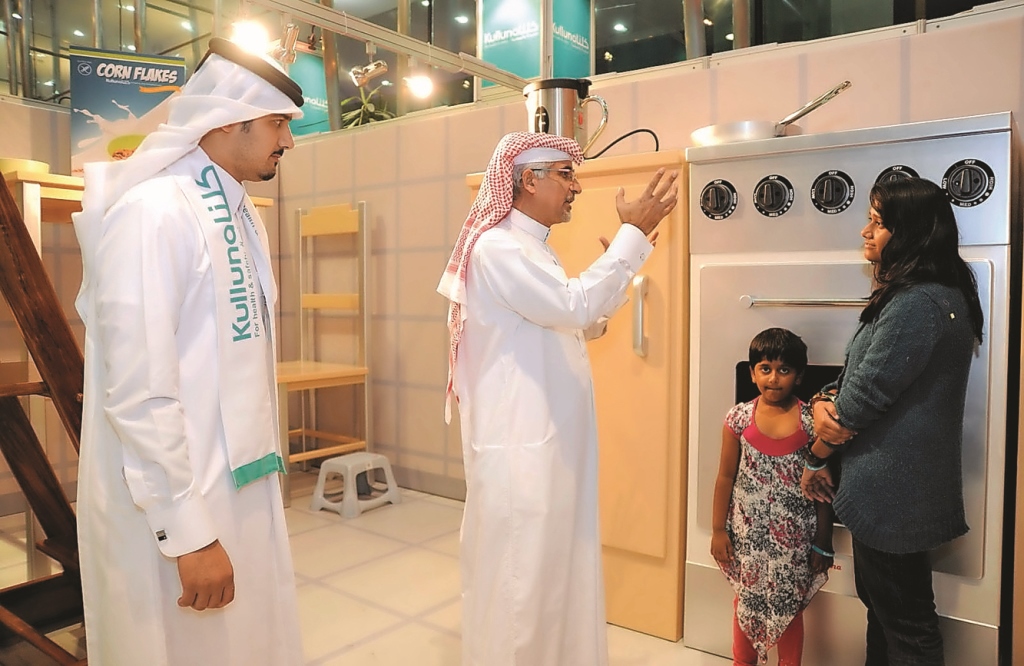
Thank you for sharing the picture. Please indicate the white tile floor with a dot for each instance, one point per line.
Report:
(378, 590)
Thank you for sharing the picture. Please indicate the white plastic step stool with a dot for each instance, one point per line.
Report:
(349, 466)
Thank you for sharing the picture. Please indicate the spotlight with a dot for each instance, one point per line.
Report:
(251, 36)
(360, 75)
(421, 86)
(284, 52)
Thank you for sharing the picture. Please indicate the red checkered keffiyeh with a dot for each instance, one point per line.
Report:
(493, 203)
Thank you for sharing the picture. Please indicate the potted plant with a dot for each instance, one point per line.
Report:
(368, 110)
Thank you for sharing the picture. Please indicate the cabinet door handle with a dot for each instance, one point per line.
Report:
(639, 293)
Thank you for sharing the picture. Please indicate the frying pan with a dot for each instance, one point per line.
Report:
(750, 130)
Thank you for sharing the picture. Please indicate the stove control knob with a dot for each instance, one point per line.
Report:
(773, 196)
(832, 192)
(968, 183)
(896, 172)
(718, 199)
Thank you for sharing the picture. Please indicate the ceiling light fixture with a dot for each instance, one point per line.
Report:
(284, 52)
(729, 36)
(128, 8)
(16, 15)
(618, 27)
(251, 36)
(78, 33)
(425, 3)
(420, 86)
(187, 25)
(462, 19)
(375, 68)
(130, 47)
(708, 21)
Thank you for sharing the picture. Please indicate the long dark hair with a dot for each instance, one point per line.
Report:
(923, 247)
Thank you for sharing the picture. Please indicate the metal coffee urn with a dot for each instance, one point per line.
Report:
(555, 106)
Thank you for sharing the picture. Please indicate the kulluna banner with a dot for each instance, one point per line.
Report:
(510, 36)
(572, 53)
(308, 72)
(117, 99)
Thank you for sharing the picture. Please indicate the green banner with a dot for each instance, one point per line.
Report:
(308, 72)
(510, 36)
(572, 53)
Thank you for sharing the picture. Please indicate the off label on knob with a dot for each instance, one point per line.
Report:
(896, 172)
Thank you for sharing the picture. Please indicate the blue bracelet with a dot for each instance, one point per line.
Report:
(812, 468)
(822, 552)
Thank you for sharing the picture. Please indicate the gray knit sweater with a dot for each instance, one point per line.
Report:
(903, 389)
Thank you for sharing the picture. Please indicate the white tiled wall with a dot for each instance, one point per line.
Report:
(411, 173)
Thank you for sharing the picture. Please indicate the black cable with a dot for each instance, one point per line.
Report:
(627, 134)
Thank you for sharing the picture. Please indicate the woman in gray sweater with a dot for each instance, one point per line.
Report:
(895, 417)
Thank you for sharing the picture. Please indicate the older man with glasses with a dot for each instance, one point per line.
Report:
(532, 587)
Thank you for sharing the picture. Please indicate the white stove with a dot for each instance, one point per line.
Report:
(775, 241)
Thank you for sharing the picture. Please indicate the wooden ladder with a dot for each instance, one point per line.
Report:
(29, 610)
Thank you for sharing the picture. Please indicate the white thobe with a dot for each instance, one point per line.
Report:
(532, 587)
(154, 453)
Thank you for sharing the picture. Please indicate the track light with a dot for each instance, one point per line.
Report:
(420, 86)
(284, 52)
(360, 75)
(250, 35)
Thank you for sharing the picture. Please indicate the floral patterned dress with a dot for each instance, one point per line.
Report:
(771, 526)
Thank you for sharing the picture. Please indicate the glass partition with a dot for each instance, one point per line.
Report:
(628, 35)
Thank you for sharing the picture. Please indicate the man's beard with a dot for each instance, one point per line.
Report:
(272, 171)
(567, 215)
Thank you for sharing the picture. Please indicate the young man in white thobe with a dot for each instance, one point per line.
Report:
(183, 545)
(532, 587)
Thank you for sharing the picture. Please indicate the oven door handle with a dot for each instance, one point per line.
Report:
(749, 301)
(639, 293)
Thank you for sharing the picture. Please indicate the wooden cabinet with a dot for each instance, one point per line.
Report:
(641, 399)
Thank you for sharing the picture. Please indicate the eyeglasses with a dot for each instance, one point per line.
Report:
(568, 174)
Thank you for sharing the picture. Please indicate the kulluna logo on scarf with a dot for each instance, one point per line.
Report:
(243, 288)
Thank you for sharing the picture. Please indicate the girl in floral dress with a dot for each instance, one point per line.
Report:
(773, 545)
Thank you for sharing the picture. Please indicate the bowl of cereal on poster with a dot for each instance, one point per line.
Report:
(122, 147)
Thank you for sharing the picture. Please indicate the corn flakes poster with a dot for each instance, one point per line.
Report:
(116, 100)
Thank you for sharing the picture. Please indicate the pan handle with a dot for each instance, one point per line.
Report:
(813, 104)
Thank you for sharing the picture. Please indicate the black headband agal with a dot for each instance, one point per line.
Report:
(230, 51)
